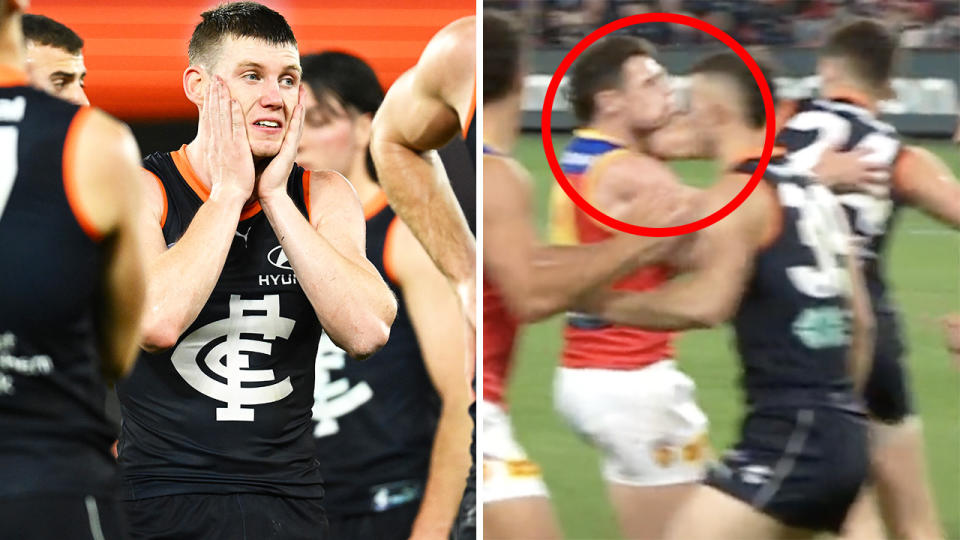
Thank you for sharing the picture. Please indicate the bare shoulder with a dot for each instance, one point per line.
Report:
(331, 193)
(505, 170)
(635, 170)
(446, 69)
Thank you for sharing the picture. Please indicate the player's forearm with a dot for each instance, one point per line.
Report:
(864, 326)
(181, 279)
(354, 305)
(449, 467)
(682, 304)
(559, 275)
(425, 201)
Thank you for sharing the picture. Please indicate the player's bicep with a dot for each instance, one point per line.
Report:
(413, 118)
(336, 213)
(924, 180)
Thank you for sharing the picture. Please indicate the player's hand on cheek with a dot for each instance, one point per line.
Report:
(227, 159)
(273, 180)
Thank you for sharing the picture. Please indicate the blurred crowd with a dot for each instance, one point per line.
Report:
(920, 23)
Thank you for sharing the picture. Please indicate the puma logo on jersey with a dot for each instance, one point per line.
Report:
(229, 359)
(334, 398)
(244, 236)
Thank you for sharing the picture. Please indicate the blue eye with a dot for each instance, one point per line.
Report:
(251, 77)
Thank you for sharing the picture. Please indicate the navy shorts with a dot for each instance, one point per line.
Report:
(236, 516)
(802, 466)
(393, 524)
(886, 392)
(58, 517)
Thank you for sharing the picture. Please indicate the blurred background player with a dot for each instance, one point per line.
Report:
(773, 265)
(68, 190)
(55, 58)
(424, 109)
(855, 79)
(249, 258)
(525, 281)
(619, 386)
(392, 431)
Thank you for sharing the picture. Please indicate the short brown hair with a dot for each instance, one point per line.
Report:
(600, 68)
(730, 65)
(501, 55)
(237, 19)
(867, 46)
(42, 30)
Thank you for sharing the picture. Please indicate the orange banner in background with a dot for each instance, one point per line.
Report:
(136, 50)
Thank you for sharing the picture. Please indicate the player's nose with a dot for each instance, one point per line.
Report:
(78, 96)
(270, 98)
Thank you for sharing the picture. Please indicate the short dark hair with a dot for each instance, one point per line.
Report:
(869, 48)
(501, 55)
(600, 68)
(730, 65)
(43, 30)
(348, 80)
(237, 19)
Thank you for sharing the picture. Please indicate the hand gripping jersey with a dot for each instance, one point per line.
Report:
(499, 334)
(590, 341)
(375, 420)
(227, 409)
(56, 438)
(793, 323)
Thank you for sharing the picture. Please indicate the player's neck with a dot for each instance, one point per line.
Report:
(851, 93)
(616, 130)
(501, 123)
(738, 144)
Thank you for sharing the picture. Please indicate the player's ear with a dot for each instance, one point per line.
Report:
(195, 80)
(361, 129)
(606, 102)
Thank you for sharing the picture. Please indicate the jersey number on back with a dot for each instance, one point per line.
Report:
(8, 163)
(820, 227)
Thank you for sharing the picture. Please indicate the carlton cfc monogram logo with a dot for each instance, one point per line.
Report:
(230, 359)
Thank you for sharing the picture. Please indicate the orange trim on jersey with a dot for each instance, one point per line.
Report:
(388, 242)
(470, 112)
(163, 192)
(186, 171)
(69, 174)
(11, 76)
(373, 206)
(775, 228)
(785, 110)
(901, 165)
(306, 192)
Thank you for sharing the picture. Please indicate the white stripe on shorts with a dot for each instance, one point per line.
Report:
(93, 514)
(785, 464)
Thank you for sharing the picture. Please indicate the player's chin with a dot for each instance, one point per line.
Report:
(262, 149)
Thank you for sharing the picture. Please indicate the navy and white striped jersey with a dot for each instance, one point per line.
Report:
(820, 124)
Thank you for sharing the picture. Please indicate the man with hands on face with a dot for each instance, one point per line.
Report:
(250, 257)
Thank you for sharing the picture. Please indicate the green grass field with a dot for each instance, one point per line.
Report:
(924, 269)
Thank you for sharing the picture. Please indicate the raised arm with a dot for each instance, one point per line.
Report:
(434, 312)
(536, 280)
(423, 110)
(104, 175)
(181, 278)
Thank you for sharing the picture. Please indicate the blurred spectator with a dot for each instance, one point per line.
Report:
(920, 23)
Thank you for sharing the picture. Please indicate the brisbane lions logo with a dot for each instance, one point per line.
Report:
(219, 348)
